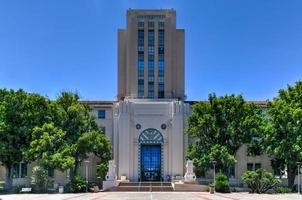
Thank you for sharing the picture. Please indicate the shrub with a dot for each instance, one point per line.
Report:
(282, 189)
(39, 178)
(102, 169)
(221, 183)
(259, 181)
(2, 185)
(78, 184)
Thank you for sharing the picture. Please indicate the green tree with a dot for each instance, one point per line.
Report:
(283, 135)
(20, 112)
(204, 158)
(221, 126)
(49, 148)
(72, 136)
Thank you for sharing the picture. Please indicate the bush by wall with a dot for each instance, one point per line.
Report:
(39, 178)
(259, 181)
(222, 183)
(282, 189)
(78, 184)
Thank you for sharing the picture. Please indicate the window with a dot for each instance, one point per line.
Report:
(151, 65)
(231, 171)
(257, 166)
(150, 91)
(140, 90)
(150, 25)
(250, 166)
(51, 172)
(161, 57)
(20, 170)
(23, 170)
(140, 42)
(16, 170)
(161, 82)
(67, 173)
(141, 58)
(140, 25)
(161, 39)
(151, 79)
(150, 38)
(161, 25)
(101, 114)
(103, 129)
(161, 93)
(161, 65)
(151, 58)
(151, 94)
(151, 50)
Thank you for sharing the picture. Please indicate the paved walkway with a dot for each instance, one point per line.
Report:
(151, 196)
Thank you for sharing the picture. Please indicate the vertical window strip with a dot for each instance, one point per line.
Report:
(151, 62)
(140, 62)
(161, 61)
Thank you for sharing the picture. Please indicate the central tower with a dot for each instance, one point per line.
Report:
(151, 56)
(149, 116)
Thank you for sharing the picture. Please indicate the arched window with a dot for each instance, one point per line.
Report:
(151, 136)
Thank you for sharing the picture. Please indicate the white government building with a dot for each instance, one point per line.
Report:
(146, 124)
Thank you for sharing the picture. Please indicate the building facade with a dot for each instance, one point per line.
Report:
(146, 124)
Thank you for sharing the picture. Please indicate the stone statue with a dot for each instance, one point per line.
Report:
(111, 175)
(190, 175)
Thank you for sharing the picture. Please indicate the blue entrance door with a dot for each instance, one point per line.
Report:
(150, 162)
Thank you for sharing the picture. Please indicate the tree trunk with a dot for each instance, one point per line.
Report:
(8, 177)
(291, 175)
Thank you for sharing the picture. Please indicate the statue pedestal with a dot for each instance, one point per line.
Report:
(190, 175)
(109, 184)
(111, 179)
(190, 178)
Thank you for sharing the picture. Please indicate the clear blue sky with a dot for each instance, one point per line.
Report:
(250, 47)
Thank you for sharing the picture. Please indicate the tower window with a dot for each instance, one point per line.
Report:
(140, 25)
(151, 25)
(161, 25)
(101, 114)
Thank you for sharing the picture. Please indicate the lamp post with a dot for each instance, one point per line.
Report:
(86, 173)
(214, 165)
(299, 184)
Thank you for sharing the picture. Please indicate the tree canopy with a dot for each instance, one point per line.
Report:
(57, 134)
(70, 138)
(283, 135)
(20, 112)
(219, 127)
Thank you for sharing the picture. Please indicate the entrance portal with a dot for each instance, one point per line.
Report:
(150, 162)
(150, 156)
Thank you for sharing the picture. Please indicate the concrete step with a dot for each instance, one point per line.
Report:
(144, 187)
(190, 187)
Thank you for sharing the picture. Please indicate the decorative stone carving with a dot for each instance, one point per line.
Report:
(190, 175)
(151, 136)
(138, 126)
(111, 175)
